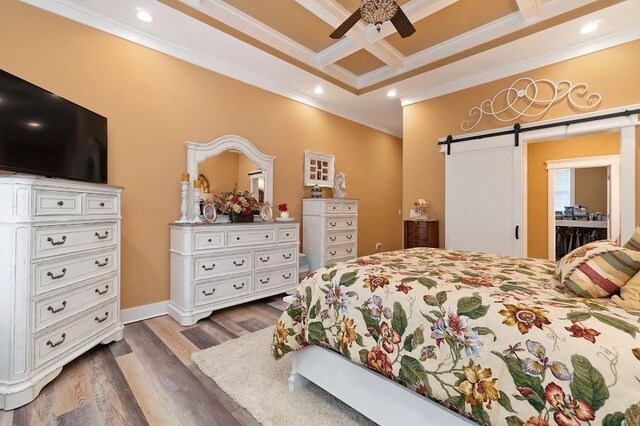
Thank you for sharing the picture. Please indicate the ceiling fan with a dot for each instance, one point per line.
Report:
(377, 12)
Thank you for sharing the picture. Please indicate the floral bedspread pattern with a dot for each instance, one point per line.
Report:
(489, 336)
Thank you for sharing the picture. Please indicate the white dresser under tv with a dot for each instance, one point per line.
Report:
(59, 278)
(223, 264)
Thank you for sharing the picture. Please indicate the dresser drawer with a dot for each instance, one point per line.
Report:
(59, 273)
(346, 251)
(269, 258)
(221, 290)
(341, 223)
(63, 338)
(101, 204)
(213, 266)
(276, 278)
(250, 237)
(350, 207)
(57, 203)
(208, 240)
(55, 240)
(333, 207)
(340, 237)
(288, 234)
(54, 309)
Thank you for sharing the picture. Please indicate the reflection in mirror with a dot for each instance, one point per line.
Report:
(232, 171)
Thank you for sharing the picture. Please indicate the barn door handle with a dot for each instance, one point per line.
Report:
(517, 232)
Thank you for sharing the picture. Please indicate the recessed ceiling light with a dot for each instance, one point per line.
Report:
(318, 90)
(34, 124)
(589, 27)
(144, 16)
(392, 93)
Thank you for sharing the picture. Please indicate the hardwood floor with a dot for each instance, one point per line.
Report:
(148, 377)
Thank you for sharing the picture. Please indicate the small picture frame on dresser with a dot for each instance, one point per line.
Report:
(209, 212)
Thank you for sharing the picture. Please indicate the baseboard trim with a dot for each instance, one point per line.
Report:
(140, 313)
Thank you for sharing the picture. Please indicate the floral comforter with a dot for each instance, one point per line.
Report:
(491, 337)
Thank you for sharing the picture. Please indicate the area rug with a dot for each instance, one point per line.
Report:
(245, 370)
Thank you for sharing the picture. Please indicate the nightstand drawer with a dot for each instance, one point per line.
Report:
(55, 240)
(212, 266)
(269, 258)
(57, 203)
(101, 204)
(221, 290)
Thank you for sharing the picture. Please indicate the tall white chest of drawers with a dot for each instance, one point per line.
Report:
(330, 230)
(59, 278)
(218, 265)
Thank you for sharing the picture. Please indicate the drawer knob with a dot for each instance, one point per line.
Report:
(102, 237)
(61, 308)
(349, 250)
(102, 204)
(59, 342)
(57, 243)
(106, 289)
(238, 288)
(332, 238)
(100, 265)
(209, 240)
(103, 319)
(286, 277)
(238, 264)
(61, 203)
(56, 277)
(332, 253)
(237, 238)
(209, 294)
(287, 256)
(287, 234)
(264, 260)
(266, 236)
(213, 265)
(332, 224)
(349, 237)
(265, 281)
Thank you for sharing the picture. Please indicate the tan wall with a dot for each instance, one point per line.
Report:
(221, 171)
(612, 73)
(154, 103)
(537, 180)
(591, 188)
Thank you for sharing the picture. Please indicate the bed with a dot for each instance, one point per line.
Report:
(489, 337)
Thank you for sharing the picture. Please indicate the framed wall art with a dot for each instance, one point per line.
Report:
(318, 169)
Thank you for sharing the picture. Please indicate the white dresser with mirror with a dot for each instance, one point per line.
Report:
(216, 265)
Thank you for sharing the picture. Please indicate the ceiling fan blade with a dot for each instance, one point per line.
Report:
(402, 24)
(346, 25)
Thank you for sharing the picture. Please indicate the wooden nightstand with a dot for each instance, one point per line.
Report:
(421, 233)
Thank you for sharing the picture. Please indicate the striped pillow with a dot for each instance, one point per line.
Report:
(634, 242)
(599, 270)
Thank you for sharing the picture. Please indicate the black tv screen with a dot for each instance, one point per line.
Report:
(44, 134)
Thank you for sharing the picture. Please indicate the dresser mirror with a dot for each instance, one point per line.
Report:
(230, 163)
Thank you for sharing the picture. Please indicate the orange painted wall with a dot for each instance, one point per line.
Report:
(612, 73)
(537, 180)
(155, 102)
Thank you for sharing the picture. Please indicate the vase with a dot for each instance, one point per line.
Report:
(237, 218)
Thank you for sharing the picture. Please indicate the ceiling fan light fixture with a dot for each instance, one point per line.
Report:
(376, 12)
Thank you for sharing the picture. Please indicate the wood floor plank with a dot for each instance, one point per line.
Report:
(266, 316)
(230, 325)
(72, 388)
(199, 337)
(157, 406)
(113, 397)
(271, 310)
(168, 330)
(198, 406)
(6, 418)
(120, 348)
(279, 304)
(220, 333)
(87, 414)
(252, 325)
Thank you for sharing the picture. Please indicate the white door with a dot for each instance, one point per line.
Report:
(483, 196)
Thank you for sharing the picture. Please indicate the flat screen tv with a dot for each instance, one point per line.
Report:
(44, 134)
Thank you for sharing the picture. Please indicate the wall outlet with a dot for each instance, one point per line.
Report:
(378, 246)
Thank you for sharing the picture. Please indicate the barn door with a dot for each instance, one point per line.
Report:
(483, 196)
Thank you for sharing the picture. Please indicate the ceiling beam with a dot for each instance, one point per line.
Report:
(334, 14)
(529, 9)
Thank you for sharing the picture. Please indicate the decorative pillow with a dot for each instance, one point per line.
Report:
(630, 294)
(634, 242)
(598, 269)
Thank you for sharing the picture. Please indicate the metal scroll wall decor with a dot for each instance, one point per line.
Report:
(531, 99)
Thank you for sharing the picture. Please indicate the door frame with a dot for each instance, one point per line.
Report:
(612, 163)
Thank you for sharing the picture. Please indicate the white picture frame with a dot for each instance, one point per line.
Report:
(319, 169)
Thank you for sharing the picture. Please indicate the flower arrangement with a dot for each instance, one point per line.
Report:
(284, 211)
(422, 208)
(237, 203)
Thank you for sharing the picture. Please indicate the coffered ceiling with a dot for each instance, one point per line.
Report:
(284, 45)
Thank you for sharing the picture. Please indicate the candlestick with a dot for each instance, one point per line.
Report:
(196, 205)
(197, 184)
(185, 177)
(183, 204)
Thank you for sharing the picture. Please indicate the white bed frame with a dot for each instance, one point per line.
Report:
(376, 397)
